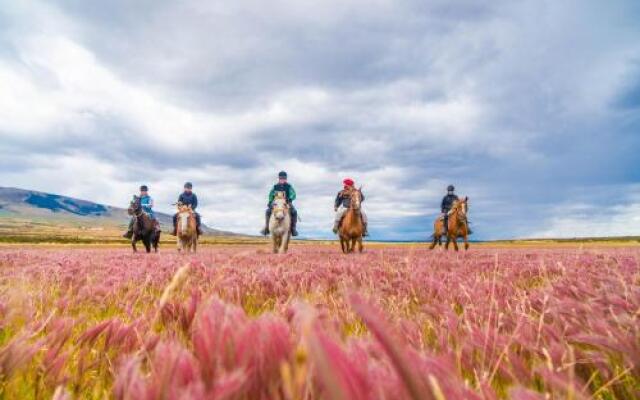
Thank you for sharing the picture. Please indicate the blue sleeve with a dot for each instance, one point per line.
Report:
(195, 202)
(180, 198)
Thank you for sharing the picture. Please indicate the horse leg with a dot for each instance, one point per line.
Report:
(435, 239)
(147, 244)
(195, 244)
(433, 242)
(446, 244)
(133, 245)
(274, 243)
(360, 244)
(466, 242)
(455, 243)
(285, 243)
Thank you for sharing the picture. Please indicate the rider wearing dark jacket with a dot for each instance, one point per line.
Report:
(290, 195)
(447, 203)
(342, 204)
(188, 198)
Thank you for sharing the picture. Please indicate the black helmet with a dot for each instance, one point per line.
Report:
(450, 188)
(282, 175)
(144, 188)
(188, 185)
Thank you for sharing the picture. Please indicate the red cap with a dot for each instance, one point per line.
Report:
(348, 182)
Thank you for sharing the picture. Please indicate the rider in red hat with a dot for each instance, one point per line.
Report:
(342, 203)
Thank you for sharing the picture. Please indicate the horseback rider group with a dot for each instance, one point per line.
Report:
(341, 205)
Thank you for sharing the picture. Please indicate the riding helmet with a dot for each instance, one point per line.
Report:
(144, 188)
(450, 188)
(282, 175)
(348, 182)
(188, 185)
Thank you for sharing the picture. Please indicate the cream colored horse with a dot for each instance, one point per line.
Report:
(187, 232)
(280, 224)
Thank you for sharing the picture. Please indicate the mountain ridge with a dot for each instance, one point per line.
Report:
(34, 205)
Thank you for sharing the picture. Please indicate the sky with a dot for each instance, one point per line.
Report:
(530, 108)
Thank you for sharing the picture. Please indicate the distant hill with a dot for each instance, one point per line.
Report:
(53, 209)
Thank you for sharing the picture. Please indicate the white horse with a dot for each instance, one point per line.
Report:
(280, 224)
(187, 232)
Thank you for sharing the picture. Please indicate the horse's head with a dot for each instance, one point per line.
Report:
(184, 208)
(280, 208)
(134, 206)
(461, 206)
(184, 212)
(356, 198)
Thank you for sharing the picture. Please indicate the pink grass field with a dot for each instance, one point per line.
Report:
(393, 323)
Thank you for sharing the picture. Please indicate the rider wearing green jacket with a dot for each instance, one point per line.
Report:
(290, 195)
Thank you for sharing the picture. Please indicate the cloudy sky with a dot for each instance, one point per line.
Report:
(531, 108)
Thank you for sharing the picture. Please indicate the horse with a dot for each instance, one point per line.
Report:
(186, 229)
(458, 226)
(351, 227)
(144, 228)
(280, 224)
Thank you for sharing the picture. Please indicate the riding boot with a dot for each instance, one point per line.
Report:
(175, 225)
(265, 230)
(129, 233)
(294, 222)
(198, 224)
(445, 224)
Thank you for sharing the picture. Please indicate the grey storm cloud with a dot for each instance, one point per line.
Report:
(525, 106)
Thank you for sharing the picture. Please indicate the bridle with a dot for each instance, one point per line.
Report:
(458, 211)
(284, 207)
(136, 208)
(352, 202)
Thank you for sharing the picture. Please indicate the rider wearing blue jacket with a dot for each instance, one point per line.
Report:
(147, 206)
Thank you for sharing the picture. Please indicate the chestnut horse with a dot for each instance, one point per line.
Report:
(144, 228)
(351, 227)
(280, 224)
(458, 226)
(186, 229)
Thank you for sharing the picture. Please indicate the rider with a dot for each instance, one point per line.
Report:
(188, 198)
(146, 202)
(447, 203)
(290, 196)
(342, 203)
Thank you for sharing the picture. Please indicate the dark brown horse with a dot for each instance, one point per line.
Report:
(351, 227)
(144, 228)
(458, 226)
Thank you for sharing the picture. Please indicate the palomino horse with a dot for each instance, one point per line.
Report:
(351, 227)
(280, 224)
(458, 226)
(186, 229)
(144, 228)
